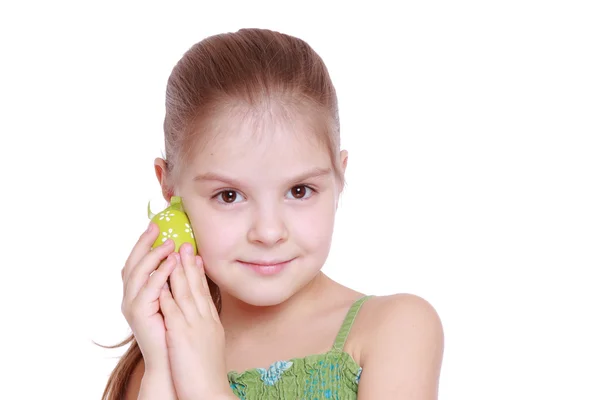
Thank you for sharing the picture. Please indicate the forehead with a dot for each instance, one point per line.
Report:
(269, 144)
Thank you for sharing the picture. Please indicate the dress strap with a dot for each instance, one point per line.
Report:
(342, 335)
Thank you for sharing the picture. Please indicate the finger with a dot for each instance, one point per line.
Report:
(182, 293)
(196, 280)
(141, 247)
(151, 290)
(140, 273)
(199, 264)
(212, 307)
(170, 311)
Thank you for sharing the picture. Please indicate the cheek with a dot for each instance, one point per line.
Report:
(313, 230)
(215, 238)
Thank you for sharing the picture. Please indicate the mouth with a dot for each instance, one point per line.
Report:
(266, 267)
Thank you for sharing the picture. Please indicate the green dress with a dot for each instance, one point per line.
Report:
(331, 375)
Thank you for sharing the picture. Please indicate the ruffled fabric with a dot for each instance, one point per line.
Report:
(331, 375)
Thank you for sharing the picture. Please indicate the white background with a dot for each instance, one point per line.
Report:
(474, 176)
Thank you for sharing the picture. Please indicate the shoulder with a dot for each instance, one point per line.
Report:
(401, 347)
(400, 316)
(403, 310)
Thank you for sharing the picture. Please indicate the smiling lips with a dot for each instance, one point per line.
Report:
(266, 267)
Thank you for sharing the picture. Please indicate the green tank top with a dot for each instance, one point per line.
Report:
(331, 375)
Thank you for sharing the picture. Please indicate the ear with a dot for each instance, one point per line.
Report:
(344, 160)
(160, 169)
(343, 165)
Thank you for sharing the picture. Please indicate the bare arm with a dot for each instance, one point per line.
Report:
(402, 359)
(149, 385)
(152, 385)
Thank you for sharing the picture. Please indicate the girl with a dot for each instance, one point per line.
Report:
(253, 150)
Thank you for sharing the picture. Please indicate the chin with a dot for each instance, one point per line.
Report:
(262, 295)
(265, 291)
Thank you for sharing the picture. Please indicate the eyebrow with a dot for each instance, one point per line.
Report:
(212, 176)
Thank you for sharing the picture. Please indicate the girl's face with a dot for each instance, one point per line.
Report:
(261, 197)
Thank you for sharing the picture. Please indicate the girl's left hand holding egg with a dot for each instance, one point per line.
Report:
(195, 337)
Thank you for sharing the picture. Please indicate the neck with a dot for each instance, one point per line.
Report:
(237, 316)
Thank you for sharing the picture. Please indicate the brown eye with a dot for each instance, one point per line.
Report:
(228, 196)
(301, 192)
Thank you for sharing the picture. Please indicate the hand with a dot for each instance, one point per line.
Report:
(195, 336)
(142, 283)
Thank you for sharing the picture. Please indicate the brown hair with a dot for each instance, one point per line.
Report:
(253, 68)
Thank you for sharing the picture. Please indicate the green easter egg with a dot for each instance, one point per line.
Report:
(174, 224)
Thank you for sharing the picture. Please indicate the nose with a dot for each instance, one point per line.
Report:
(268, 227)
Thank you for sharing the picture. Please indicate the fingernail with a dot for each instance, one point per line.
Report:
(149, 227)
(187, 248)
